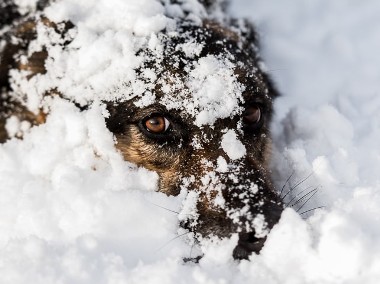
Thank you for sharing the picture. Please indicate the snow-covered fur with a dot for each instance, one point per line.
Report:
(195, 108)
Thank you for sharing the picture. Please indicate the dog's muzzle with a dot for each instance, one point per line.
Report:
(240, 200)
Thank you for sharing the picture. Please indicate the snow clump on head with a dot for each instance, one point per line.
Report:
(216, 93)
(119, 58)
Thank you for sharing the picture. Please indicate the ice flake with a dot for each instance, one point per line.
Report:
(189, 211)
(260, 226)
(190, 48)
(222, 165)
(146, 99)
(232, 146)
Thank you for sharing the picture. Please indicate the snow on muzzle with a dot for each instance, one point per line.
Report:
(230, 198)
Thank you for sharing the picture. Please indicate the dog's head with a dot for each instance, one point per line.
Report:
(203, 125)
(198, 114)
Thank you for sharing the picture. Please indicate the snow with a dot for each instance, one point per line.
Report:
(232, 146)
(73, 211)
(216, 90)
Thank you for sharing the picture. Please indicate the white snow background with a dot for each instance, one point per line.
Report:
(72, 211)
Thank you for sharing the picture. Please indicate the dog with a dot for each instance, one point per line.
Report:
(219, 154)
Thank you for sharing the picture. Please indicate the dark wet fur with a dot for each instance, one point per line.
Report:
(172, 155)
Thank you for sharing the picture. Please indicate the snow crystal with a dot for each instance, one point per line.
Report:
(191, 48)
(218, 252)
(260, 226)
(189, 209)
(25, 6)
(222, 165)
(232, 146)
(15, 127)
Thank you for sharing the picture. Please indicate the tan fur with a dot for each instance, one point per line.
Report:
(135, 149)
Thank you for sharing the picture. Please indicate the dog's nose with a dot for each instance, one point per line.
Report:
(247, 244)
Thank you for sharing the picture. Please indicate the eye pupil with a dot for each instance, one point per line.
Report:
(252, 115)
(157, 124)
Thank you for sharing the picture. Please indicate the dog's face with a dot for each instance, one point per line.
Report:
(201, 122)
(217, 150)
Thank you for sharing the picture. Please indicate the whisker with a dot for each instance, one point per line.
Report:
(307, 200)
(298, 194)
(282, 189)
(167, 209)
(304, 196)
(298, 184)
(159, 206)
(191, 250)
(164, 245)
(304, 212)
(278, 69)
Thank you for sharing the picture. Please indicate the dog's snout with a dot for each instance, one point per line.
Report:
(247, 244)
(240, 200)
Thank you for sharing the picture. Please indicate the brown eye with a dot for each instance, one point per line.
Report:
(252, 115)
(157, 124)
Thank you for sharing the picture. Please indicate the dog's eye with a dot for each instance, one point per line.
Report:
(252, 115)
(157, 124)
